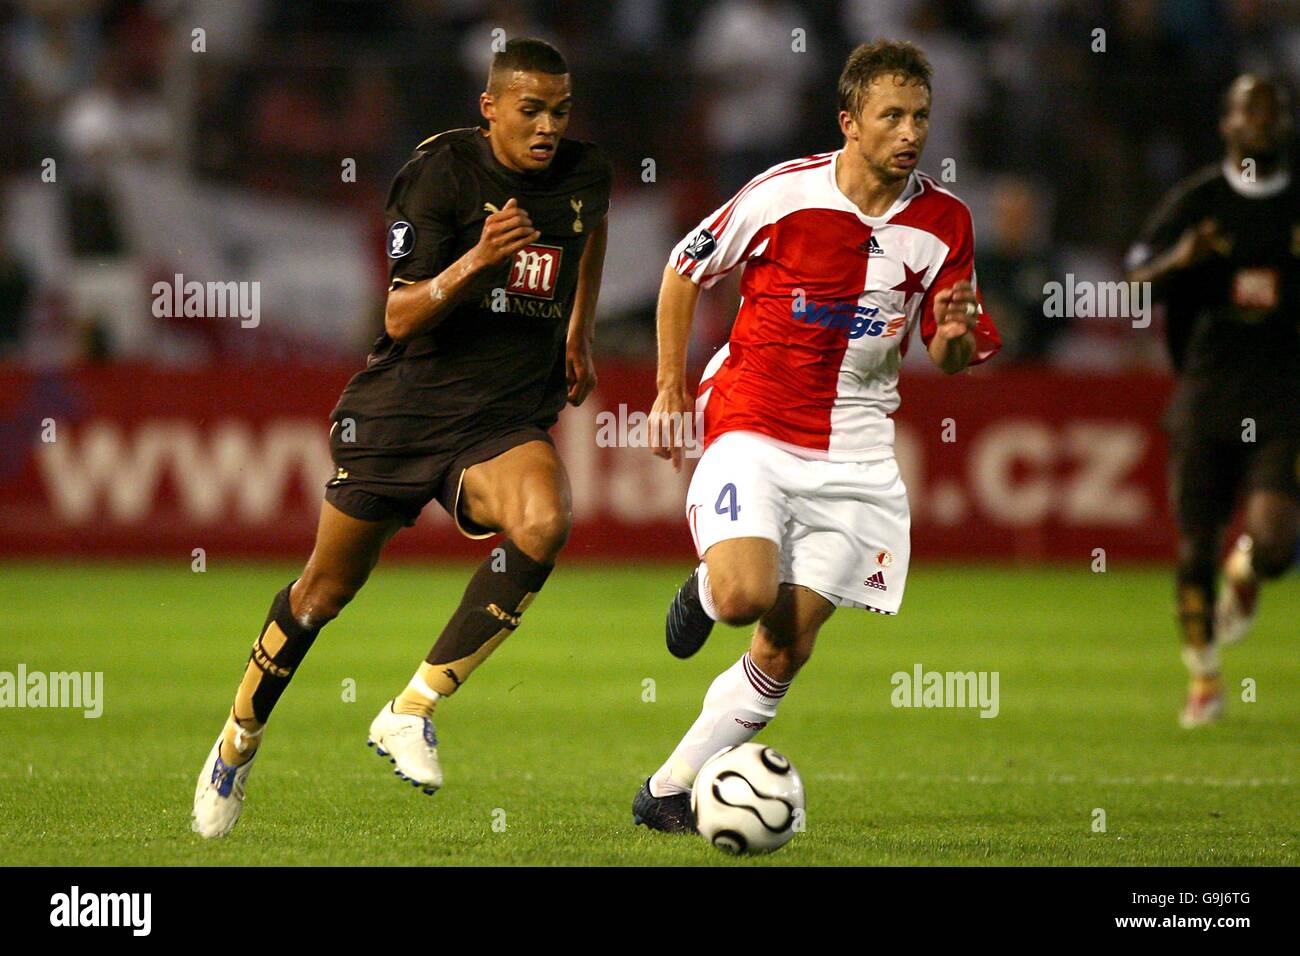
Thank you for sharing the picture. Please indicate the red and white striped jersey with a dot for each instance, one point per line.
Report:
(829, 297)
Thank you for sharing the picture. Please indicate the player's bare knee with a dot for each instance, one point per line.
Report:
(318, 599)
(1272, 554)
(542, 531)
(742, 603)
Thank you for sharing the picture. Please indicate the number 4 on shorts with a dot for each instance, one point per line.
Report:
(727, 494)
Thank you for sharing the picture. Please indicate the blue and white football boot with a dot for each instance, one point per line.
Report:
(219, 796)
(410, 744)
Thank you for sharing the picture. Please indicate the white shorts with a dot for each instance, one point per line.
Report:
(842, 528)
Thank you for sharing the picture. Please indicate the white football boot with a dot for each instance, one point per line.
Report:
(410, 744)
(1234, 611)
(1205, 696)
(1205, 699)
(219, 796)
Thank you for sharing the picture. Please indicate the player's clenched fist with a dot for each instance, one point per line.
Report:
(671, 417)
(956, 311)
(579, 370)
(505, 232)
(1198, 243)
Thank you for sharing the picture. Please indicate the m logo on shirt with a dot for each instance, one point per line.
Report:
(401, 240)
(1255, 289)
(534, 271)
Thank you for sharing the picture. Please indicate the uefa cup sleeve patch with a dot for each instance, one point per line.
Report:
(401, 239)
(701, 245)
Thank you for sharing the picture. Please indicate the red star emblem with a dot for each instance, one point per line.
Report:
(911, 284)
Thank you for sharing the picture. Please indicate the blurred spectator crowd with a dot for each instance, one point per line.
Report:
(213, 138)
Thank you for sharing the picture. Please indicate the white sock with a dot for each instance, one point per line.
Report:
(421, 687)
(1202, 661)
(740, 702)
(706, 592)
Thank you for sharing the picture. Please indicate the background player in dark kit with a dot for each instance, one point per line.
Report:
(1223, 253)
(496, 240)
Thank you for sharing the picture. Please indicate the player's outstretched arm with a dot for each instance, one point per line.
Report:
(579, 367)
(417, 308)
(677, 298)
(956, 313)
(1196, 244)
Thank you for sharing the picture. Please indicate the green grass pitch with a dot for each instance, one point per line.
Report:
(553, 736)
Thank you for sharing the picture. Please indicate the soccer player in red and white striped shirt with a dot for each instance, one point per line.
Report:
(796, 506)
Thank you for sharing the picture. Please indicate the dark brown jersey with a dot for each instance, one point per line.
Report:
(1234, 320)
(496, 361)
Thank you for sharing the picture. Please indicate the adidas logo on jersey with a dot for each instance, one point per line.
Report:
(877, 581)
(871, 247)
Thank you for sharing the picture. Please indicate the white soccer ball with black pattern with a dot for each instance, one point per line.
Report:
(748, 799)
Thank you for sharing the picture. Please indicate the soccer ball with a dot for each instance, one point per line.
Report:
(748, 799)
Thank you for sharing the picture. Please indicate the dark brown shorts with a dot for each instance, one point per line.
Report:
(1208, 476)
(379, 489)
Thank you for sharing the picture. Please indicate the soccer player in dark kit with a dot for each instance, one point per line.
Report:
(1223, 253)
(496, 242)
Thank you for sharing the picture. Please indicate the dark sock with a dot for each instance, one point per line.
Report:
(276, 654)
(1195, 613)
(495, 599)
